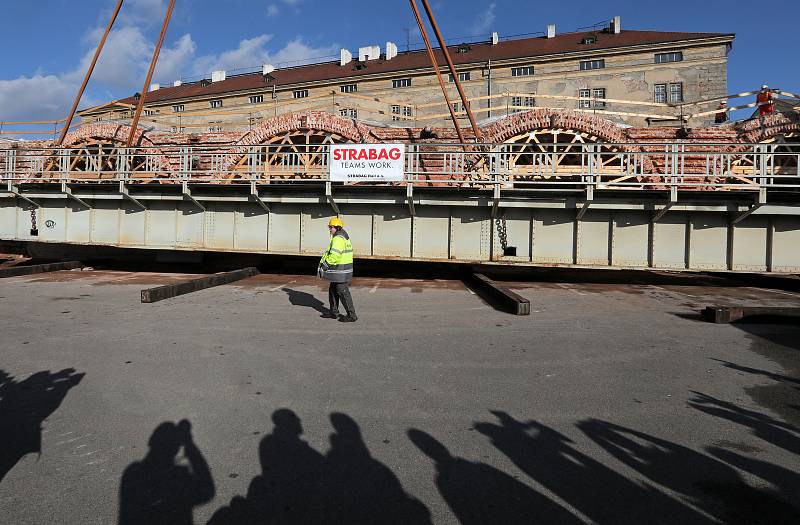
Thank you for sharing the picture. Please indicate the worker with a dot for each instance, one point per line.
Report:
(766, 101)
(722, 113)
(336, 266)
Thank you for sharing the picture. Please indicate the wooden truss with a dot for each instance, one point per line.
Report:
(97, 158)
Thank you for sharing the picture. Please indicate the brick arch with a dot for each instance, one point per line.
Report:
(519, 123)
(752, 131)
(602, 129)
(348, 129)
(117, 135)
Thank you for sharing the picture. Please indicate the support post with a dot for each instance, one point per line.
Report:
(435, 65)
(440, 38)
(410, 199)
(156, 51)
(19, 195)
(587, 202)
(86, 78)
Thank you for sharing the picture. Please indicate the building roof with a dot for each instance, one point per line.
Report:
(411, 60)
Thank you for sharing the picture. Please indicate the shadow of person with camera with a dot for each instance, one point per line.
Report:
(159, 489)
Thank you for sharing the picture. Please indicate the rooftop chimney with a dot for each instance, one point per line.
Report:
(616, 25)
(218, 76)
(495, 38)
(177, 83)
(391, 50)
(369, 53)
(266, 69)
(551, 31)
(154, 87)
(345, 57)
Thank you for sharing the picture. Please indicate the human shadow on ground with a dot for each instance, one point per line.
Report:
(763, 426)
(160, 489)
(707, 483)
(478, 493)
(300, 485)
(594, 489)
(24, 405)
(298, 298)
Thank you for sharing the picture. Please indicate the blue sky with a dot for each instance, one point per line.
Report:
(47, 45)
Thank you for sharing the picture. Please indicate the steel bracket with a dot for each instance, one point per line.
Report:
(587, 203)
(66, 190)
(410, 199)
(329, 196)
(19, 195)
(123, 190)
(673, 199)
(255, 197)
(187, 194)
(760, 201)
(495, 199)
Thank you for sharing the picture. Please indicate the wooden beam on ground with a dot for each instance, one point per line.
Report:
(499, 296)
(730, 314)
(17, 271)
(159, 293)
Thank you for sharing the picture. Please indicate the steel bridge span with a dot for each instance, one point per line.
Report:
(704, 209)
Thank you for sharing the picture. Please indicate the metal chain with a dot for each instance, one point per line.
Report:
(33, 219)
(502, 232)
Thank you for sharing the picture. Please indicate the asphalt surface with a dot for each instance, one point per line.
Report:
(240, 404)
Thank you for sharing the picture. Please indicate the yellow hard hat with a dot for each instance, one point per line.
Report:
(335, 221)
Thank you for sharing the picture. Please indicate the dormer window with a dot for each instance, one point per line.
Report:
(463, 48)
(359, 66)
(589, 40)
(205, 83)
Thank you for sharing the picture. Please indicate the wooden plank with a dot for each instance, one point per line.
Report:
(159, 293)
(499, 296)
(17, 271)
(730, 314)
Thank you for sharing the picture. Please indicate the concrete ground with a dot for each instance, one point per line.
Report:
(240, 404)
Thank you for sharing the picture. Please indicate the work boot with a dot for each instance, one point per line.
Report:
(348, 318)
(330, 315)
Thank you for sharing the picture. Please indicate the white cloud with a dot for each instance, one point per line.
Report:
(40, 97)
(252, 52)
(175, 60)
(483, 22)
(272, 10)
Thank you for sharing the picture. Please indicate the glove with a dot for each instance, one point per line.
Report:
(319, 272)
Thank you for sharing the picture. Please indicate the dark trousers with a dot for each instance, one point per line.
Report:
(341, 292)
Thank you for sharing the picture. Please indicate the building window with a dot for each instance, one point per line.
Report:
(349, 88)
(400, 110)
(462, 77)
(587, 65)
(176, 129)
(584, 102)
(660, 93)
(587, 98)
(256, 99)
(522, 71)
(349, 112)
(520, 103)
(215, 103)
(663, 58)
(676, 92)
(300, 93)
(401, 82)
(601, 94)
(214, 129)
(149, 112)
(178, 108)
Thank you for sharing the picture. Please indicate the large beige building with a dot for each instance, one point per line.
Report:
(639, 78)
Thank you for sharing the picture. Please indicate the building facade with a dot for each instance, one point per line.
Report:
(636, 78)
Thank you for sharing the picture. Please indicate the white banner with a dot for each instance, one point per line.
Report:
(367, 162)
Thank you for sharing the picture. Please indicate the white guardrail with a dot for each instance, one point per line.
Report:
(521, 165)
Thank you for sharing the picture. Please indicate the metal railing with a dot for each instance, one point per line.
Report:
(705, 166)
